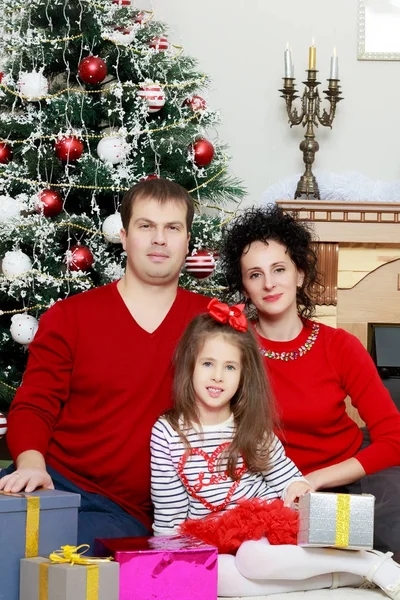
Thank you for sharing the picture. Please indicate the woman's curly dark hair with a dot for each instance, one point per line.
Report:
(260, 224)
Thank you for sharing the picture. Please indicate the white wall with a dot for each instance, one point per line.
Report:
(240, 44)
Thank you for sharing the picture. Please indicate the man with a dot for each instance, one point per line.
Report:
(99, 373)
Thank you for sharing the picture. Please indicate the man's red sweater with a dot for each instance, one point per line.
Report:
(95, 384)
(310, 393)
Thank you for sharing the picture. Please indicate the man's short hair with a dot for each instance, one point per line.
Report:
(161, 190)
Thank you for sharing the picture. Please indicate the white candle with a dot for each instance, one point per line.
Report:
(288, 62)
(334, 71)
(312, 56)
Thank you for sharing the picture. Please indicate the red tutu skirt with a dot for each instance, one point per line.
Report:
(249, 520)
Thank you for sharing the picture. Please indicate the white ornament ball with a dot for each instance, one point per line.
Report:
(33, 85)
(23, 328)
(16, 263)
(9, 208)
(111, 228)
(3, 425)
(154, 96)
(112, 149)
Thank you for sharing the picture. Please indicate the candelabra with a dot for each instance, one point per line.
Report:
(309, 117)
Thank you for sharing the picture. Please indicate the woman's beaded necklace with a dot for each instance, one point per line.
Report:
(295, 354)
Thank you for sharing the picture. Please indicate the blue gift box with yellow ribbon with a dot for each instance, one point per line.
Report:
(32, 525)
(336, 520)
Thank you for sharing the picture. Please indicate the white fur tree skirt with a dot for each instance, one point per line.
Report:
(344, 593)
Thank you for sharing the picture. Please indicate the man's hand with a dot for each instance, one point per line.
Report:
(30, 474)
(296, 490)
(27, 480)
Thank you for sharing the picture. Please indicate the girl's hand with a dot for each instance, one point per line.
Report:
(296, 490)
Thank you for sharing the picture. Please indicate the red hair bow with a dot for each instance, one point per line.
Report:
(228, 314)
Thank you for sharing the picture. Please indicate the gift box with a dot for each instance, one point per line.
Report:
(32, 525)
(41, 579)
(166, 568)
(336, 520)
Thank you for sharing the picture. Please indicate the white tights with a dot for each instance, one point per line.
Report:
(260, 569)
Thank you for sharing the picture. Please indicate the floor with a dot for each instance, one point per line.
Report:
(338, 594)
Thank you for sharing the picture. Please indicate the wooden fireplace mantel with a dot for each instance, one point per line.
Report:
(350, 222)
(356, 227)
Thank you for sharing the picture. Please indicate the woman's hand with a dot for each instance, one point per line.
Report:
(296, 490)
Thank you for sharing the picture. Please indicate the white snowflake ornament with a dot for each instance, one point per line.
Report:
(23, 328)
(16, 263)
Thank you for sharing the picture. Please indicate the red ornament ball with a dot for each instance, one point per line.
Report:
(203, 152)
(201, 263)
(159, 43)
(149, 177)
(195, 103)
(140, 17)
(50, 203)
(79, 258)
(1, 79)
(3, 425)
(122, 2)
(124, 30)
(69, 148)
(5, 153)
(92, 69)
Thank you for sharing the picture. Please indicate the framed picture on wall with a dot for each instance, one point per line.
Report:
(378, 30)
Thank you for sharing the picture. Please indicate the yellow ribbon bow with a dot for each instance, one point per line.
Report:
(73, 555)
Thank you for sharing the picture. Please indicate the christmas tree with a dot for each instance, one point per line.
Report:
(94, 98)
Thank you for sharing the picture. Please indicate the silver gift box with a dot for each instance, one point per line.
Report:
(336, 520)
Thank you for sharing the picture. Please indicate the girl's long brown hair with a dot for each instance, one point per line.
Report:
(253, 406)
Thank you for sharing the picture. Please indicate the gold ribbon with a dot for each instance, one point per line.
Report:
(32, 523)
(342, 521)
(73, 555)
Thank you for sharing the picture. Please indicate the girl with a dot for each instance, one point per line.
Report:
(270, 262)
(217, 448)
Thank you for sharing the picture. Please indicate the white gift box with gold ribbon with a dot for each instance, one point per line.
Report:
(336, 520)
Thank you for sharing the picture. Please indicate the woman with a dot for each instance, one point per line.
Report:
(270, 263)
